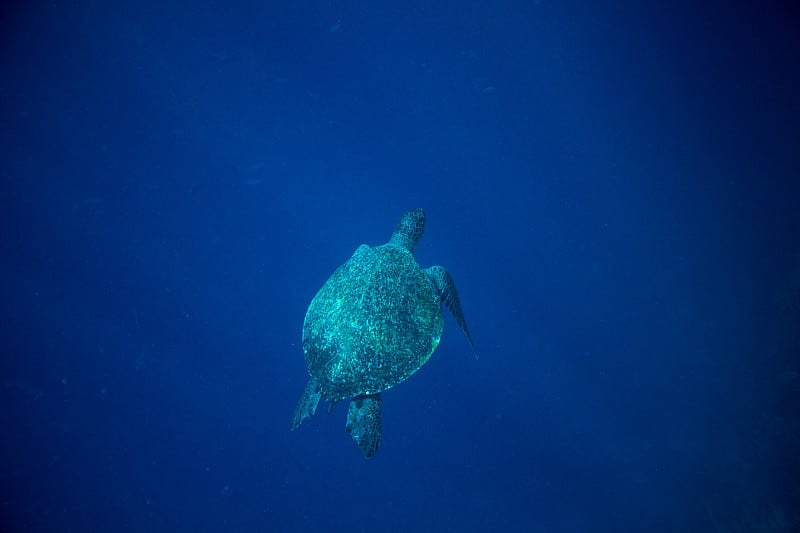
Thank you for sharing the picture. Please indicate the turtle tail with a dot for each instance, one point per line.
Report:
(446, 287)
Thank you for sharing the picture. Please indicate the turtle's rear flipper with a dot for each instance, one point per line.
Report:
(307, 405)
(444, 283)
(364, 422)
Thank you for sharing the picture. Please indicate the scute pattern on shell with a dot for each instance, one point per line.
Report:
(374, 323)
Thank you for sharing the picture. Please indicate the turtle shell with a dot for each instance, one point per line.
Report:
(375, 322)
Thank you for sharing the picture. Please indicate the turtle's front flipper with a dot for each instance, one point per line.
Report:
(364, 422)
(444, 283)
(307, 405)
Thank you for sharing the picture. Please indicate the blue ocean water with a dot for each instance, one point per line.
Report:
(613, 185)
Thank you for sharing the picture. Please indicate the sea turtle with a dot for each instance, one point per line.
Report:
(375, 322)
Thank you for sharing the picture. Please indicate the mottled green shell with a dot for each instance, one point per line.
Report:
(375, 322)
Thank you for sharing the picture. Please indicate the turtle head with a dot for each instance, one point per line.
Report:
(409, 230)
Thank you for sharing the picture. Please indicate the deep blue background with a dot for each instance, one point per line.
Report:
(614, 188)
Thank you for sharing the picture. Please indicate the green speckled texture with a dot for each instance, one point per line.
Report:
(375, 322)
